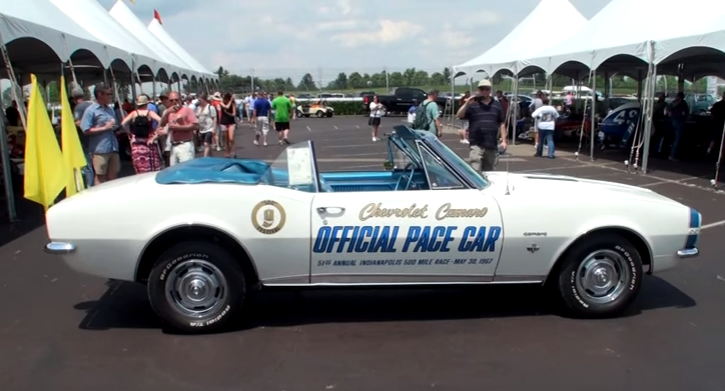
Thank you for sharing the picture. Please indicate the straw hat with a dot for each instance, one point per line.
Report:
(142, 100)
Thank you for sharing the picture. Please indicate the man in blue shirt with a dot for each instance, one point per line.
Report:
(260, 116)
(99, 124)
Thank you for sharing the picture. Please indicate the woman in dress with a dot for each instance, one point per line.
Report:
(376, 114)
(228, 123)
(145, 151)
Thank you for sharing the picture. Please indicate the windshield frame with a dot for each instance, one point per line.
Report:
(449, 158)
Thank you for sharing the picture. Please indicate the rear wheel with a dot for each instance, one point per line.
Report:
(319, 114)
(600, 277)
(196, 287)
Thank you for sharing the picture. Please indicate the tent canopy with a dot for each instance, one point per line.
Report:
(95, 19)
(618, 37)
(160, 33)
(523, 41)
(701, 53)
(125, 17)
(38, 36)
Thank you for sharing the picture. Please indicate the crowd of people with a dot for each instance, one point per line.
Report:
(172, 129)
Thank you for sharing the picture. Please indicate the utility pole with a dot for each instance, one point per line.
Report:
(387, 80)
(251, 72)
(319, 77)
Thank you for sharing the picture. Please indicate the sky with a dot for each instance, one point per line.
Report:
(289, 38)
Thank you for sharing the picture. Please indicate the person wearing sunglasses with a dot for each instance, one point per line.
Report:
(182, 123)
(99, 124)
(486, 123)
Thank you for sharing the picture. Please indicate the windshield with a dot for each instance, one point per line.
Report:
(456, 162)
(295, 168)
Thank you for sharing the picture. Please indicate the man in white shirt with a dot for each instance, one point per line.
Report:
(545, 117)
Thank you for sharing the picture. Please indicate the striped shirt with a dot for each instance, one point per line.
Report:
(484, 122)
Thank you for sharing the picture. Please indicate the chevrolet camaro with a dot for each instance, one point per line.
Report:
(202, 234)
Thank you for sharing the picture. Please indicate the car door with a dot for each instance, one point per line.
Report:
(415, 236)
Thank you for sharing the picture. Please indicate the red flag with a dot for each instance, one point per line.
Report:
(157, 16)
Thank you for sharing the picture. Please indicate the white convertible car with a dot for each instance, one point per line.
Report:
(203, 233)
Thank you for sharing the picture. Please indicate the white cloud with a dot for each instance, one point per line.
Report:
(337, 25)
(337, 35)
(389, 31)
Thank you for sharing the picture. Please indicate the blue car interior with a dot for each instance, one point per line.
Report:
(253, 172)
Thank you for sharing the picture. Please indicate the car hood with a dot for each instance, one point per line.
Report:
(562, 186)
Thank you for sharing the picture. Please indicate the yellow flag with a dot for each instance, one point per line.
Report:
(73, 154)
(45, 173)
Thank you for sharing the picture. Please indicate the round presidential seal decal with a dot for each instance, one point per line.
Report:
(268, 217)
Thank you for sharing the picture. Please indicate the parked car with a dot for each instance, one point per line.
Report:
(401, 101)
(319, 110)
(427, 219)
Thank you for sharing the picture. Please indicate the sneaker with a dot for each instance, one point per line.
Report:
(286, 141)
(218, 149)
(375, 139)
(265, 143)
(256, 142)
(280, 142)
(464, 141)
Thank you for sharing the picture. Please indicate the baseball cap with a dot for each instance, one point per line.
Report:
(484, 83)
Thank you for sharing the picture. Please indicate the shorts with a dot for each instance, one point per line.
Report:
(206, 137)
(464, 124)
(483, 159)
(374, 121)
(106, 163)
(281, 126)
(262, 126)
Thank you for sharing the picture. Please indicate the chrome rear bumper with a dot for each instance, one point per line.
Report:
(688, 252)
(59, 248)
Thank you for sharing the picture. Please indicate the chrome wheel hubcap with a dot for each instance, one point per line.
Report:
(603, 276)
(196, 288)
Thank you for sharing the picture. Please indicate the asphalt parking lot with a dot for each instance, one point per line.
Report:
(64, 331)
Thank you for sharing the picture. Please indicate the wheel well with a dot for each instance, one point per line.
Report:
(637, 241)
(194, 233)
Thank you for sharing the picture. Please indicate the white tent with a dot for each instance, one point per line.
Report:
(95, 19)
(702, 53)
(529, 38)
(126, 18)
(620, 34)
(42, 20)
(159, 32)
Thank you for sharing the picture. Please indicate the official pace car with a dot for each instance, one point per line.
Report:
(202, 234)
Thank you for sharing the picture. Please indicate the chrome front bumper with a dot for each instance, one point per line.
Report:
(59, 248)
(688, 252)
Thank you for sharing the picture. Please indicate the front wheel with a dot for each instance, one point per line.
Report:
(196, 287)
(600, 277)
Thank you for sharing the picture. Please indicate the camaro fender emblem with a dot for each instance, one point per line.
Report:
(268, 217)
(533, 248)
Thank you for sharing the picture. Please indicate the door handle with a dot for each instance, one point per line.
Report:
(330, 209)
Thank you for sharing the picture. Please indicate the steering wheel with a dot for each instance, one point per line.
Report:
(403, 176)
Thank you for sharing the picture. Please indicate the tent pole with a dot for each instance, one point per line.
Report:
(515, 114)
(4, 147)
(593, 76)
(649, 120)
